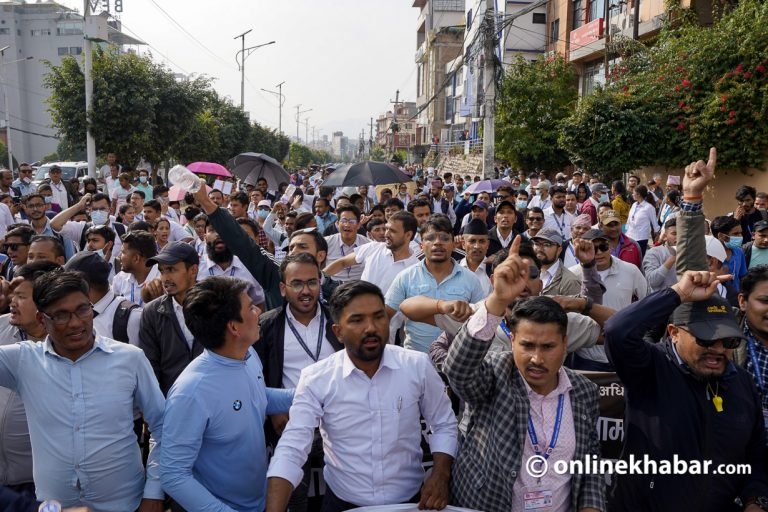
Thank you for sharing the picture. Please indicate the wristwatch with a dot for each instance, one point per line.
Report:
(49, 506)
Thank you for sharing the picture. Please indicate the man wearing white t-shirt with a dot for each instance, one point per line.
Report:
(384, 260)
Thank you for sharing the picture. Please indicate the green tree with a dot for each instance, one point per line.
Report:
(534, 97)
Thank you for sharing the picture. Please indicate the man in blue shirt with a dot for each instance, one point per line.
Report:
(438, 276)
(79, 391)
(216, 457)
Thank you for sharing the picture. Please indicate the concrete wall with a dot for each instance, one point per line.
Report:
(719, 196)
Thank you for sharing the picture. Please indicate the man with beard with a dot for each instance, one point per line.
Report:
(556, 217)
(220, 261)
(163, 335)
(384, 260)
(293, 337)
(502, 234)
(475, 239)
(357, 394)
(439, 203)
(16, 246)
(557, 279)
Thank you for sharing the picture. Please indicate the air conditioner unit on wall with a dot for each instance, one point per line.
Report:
(622, 23)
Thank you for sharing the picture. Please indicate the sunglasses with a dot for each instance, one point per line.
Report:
(729, 343)
(602, 247)
(14, 246)
(536, 219)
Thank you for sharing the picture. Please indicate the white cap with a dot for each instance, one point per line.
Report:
(715, 249)
(265, 202)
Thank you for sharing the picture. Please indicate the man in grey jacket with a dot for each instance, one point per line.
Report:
(659, 261)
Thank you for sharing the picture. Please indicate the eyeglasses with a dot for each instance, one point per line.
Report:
(603, 247)
(297, 286)
(543, 243)
(350, 222)
(729, 343)
(35, 206)
(434, 237)
(14, 246)
(536, 219)
(63, 317)
(502, 197)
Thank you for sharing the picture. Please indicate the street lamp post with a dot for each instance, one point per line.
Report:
(280, 101)
(243, 54)
(298, 120)
(7, 111)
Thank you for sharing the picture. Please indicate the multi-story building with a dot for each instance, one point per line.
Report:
(439, 39)
(579, 29)
(339, 144)
(405, 137)
(35, 34)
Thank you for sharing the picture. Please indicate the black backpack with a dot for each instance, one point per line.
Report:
(120, 320)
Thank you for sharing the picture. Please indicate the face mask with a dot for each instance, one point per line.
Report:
(734, 242)
(143, 179)
(522, 205)
(263, 214)
(100, 252)
(27, 180)
(99, 217)
(48, 199)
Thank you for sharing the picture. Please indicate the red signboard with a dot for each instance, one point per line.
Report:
(586, 34)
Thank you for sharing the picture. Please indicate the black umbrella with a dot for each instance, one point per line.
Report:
(366, 173)
(252, 166)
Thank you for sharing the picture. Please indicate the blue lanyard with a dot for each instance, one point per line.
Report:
(316, 356)
(504, 328)
(753, 358)
(555, 431)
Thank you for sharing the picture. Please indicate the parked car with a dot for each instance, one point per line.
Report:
(68, 171)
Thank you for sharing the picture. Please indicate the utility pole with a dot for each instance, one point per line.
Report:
(298, 119)
(394, 126)
(370, 141)
(244, 53)
(306, 131)
(282, 101)
(489, 114)
(90, 142)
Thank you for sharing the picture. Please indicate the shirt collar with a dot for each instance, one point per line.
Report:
(98, 343)
(387, 360)
(552, 270)
(480, 267)
(227, 361)
(104, 302)
(289, 313)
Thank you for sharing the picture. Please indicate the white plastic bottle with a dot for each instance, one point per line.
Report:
(185, 179)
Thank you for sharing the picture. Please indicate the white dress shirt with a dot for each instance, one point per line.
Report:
(111, 184)
(642, 216)
(179, 311)
(60, 196)
(560, 223)
(541, 203)
(370, 426)
(548, 275)
(380, 265)
(482, 276)
(338, 249)
(125, 284)
(6, 219)
(295, 358)
(73, 230)
(236, 269)
(104, 317)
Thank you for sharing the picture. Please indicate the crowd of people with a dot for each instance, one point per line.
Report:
(205, 354)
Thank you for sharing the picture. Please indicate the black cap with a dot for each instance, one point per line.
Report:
(506, 202)
(710, 319)
(480, 204)
(594, 234)
(175, 252)
(95, 268)
(475, 227)
(759, 226)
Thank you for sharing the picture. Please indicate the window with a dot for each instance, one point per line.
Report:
(75, 50)
(69, 28)
(592, 78)
(554, 34)
(5, 31)
(63, 50)
(39, 32)
(578, 14)
(539, 18)
(596, 9)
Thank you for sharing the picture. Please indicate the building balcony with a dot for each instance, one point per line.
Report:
(587, 39)
(448, 5)
(420, 52)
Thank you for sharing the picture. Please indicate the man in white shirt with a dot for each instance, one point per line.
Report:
(121, 193)
(556, 217)
(74, 230)
(111, 161)
(476, 242)
(153, 212)
(219, 261)
(111, 180)
(624, 284)
(541, 199)
(346, 241)
(368, 400)
(439, 203)
(384, 260)
(138, 247)
(60, 194)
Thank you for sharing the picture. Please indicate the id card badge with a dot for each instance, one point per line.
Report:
(537, 499)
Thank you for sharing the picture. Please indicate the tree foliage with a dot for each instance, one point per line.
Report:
(301, 156)
(534, 97)
(141, 110)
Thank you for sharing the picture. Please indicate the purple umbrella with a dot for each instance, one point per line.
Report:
(489, 186)
(210, 168)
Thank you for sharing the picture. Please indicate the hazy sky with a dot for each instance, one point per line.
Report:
(344, 59)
